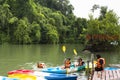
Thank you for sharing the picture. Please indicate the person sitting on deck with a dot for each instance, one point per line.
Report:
(80, 62)
(100, 63)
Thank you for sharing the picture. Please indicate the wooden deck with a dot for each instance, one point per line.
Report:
(106, 75)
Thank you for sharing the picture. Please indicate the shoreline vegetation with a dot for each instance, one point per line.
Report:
(53, 22)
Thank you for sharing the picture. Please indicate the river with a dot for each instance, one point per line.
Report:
(14, 57)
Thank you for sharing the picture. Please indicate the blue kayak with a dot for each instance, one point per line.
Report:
(6, 78)
(54, 76)
(111, 68)
(59, 70)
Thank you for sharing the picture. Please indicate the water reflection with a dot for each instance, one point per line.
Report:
(26, 56)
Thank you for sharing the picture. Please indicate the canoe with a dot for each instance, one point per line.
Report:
(59, 70)
(55, 76)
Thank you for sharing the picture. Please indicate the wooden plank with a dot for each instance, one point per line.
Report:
(115, 74)
(96, 76)
(118, 73)
(103, 75)
(99, 75)
(107, 75)
(111, 75)
(119, 70)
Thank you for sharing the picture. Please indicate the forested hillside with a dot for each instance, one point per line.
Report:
(35, 21)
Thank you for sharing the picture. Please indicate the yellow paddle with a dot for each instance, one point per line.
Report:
(75, 52)
(63, 49)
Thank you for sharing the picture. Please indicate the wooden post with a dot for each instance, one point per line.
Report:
(92, 70)
(92, 59)
(88, 70)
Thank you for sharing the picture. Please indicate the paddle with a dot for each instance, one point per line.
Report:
(64, 50)
(75, 52)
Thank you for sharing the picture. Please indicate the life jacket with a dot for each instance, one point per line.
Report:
(99, 65)
(67, 64)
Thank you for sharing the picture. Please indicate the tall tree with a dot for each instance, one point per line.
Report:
(95, 7)
(60, 5)
(22, 33)
(77, 28)
(100, 33)
(103, 12)
(4, 21)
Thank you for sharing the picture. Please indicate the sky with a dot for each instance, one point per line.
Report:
(82, 8)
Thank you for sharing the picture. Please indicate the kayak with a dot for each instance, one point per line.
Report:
(42, 76)
(114, 65)
(37, 75)
(55, 76)
(111, 68)
(21, 71)
(59, 70)
(6, 78)
(22, 74)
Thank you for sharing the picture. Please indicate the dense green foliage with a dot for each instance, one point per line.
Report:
(35, 21)
(53, 21)
(104, 31)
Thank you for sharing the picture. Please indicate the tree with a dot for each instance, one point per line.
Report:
(4, 22)
(35, 33)
(95, 7)
(22, 32)
(50, 34)
(63, 6)
(77, 28)
(101, 32)
(103, 12)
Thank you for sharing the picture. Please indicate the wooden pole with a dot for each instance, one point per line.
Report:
(88, 70)
(92, 56)
(92, 60)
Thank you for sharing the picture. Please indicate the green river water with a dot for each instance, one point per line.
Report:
(14, 57)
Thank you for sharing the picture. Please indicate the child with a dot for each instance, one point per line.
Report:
(41, 65)
(67, 63)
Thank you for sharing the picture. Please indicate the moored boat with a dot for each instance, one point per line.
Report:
(21, 71)
(55, 76)
(59, 70)
(37, 75)
(111, 68)
(6, 78)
